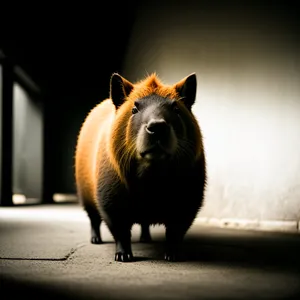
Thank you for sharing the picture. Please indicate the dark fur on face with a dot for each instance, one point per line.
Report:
(160, 124)
(162, 132)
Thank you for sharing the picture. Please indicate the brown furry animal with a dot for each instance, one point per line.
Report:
(140, 160)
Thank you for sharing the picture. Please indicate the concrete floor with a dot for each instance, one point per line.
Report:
(45, 251)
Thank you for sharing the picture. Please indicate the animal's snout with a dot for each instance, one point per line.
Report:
(158, 128)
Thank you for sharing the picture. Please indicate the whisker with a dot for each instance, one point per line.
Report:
(186, 149)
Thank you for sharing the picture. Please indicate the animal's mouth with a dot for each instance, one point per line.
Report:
(155, 152)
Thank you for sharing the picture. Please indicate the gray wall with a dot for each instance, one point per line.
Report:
(27, 144)
(248, 102)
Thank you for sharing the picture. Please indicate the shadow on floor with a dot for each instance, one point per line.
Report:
(228, 248)
(256, 250)
(221, 249)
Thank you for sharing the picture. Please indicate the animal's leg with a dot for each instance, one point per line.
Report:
(145, 236)
(95, 222)
(121, 232)
(175, 233)
(116, 213)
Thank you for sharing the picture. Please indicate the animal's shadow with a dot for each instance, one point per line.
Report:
(230, 248)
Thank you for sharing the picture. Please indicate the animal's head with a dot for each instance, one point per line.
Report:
(154, 122)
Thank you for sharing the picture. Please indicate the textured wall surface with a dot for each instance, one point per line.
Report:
(248, 100)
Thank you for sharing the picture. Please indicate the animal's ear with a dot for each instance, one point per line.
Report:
(186, 89)
(120, 88)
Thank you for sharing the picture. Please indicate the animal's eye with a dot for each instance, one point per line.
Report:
(175, 107)
(134, 110)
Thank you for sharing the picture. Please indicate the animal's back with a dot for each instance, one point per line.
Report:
(91, 135)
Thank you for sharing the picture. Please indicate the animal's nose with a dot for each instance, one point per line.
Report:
(158, 128)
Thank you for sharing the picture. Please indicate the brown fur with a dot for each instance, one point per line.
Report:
(105, 144)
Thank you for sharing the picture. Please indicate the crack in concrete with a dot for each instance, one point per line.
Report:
(66, 257)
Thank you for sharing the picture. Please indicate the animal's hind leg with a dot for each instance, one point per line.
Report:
(95, 222)
(145, 233)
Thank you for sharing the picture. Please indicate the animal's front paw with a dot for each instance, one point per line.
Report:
(123, 257)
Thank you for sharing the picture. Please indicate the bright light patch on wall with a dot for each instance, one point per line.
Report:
(65, 198)
(19, 199)
(247, 100)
